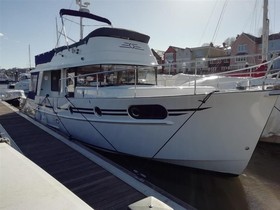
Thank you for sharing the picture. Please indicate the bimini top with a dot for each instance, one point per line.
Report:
(84, 15)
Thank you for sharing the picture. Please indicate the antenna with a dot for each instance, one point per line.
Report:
(83, 7)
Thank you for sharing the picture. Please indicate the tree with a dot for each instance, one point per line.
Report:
(205, 44)
(228, 42)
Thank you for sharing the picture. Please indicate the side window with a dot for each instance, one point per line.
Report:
(34, 82)
(33, 85)
(71, 82)
(55, 80)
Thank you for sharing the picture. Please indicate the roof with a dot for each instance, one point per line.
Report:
(253, 38)
(274, 36)
(177, 48)
(258, 40)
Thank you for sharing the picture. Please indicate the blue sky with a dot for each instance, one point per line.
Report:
(181, 23)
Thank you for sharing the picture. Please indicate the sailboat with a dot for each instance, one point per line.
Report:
(96, 90)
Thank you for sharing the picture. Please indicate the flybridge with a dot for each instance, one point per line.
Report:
(100, 32)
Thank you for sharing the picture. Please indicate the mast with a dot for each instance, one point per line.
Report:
(57, 33)
(265, 31)
(29, 57)
(83, 8)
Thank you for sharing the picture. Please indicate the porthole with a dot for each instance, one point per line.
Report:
(98, 111)
(135, 112)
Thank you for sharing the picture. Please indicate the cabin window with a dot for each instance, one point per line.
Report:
(71, 81)
(34, 81)
(86, 76)
(55, 80)
(33, 85)
(108, 75)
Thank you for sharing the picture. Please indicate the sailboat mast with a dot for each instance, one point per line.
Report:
(265, 31)
(29, 57)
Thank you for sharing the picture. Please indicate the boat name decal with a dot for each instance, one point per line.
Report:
(130, 45)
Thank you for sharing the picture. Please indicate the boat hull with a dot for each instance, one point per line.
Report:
(216, 132)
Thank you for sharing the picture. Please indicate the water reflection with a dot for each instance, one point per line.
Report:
(198, 188)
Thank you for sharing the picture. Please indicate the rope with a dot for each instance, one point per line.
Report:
(47, 97)
(277, 108)
(92, 125)
(202, 102)
(41, 104)
(219, 22)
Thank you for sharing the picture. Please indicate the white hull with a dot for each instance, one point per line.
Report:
(272, 127)
(220, 135)
(229, 83)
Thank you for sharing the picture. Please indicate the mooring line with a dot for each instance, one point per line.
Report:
(202, 102)
(47, 97)
(277, 108)
(92, 124)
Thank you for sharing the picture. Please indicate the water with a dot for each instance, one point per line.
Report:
(257, 188)
(198, 188)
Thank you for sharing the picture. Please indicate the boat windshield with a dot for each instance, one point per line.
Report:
(112, 75)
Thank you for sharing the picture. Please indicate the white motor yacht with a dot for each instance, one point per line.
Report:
(95, 90)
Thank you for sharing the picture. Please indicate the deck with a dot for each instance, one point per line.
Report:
(105, 187)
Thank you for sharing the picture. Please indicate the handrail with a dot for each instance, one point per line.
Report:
(251, 72)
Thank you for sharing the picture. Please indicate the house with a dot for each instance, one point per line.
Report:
(158, 55)
(274, 48)
(180, 56)
(189, 60)
(200, 55)
(247, 49)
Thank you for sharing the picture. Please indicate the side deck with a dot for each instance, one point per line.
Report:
(97, 182)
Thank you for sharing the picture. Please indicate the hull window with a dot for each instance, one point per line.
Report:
(147, 112)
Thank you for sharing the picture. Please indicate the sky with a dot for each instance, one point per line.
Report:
(180, 23)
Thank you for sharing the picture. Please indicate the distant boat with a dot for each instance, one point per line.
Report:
(4, 79)
(13, 97)
(95, 90)
(22, 83)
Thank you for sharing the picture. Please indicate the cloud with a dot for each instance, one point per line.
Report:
(1, 34)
